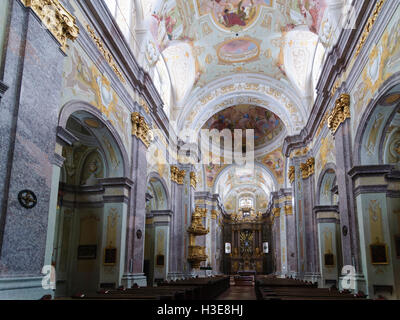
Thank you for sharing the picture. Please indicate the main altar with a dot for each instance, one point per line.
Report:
(245, 230)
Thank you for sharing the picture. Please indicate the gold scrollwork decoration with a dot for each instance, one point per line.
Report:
(340, 113)
(56, 18)
(140, 128)
(370, 23)
(292, 174)
(106, 54)
(193, 179)
(308, 168)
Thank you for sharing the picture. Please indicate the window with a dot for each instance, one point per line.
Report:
(124, 14)
(246, 203)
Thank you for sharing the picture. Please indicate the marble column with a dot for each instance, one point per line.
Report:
(311, 271)
(136, 217)
(340, 125)
(176, 253)
(32, 69)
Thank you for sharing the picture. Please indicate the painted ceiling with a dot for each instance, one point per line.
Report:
(236, 181)
(204, 40)
(267, 126)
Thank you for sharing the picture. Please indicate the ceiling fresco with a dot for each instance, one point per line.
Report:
(235, 180)
(267, 126)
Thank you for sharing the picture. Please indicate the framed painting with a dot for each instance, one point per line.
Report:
(160, 260)
(379, 253)
(87, 252)
(329, 259)
(110, 256)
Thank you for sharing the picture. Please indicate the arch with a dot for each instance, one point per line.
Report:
(266, 171)
(163, 184)
(328, 169)
(372, 109)
(253, 89)
(75, 106)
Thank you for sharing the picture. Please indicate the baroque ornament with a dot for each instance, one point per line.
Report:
(340, 112)
(140, 128)
(56, 18)
(308, 168)
(106, 54)
(292, 172)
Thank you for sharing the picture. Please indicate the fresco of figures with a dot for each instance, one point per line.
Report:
(267, 125)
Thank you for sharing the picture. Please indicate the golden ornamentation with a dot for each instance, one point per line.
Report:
(106, 54)
(368, 27)
(288, 210)
(193, 179)
(292, 174)
(276, 212)
(308, 168)
(56, 18)
(340, 113)
(140, 128)
(197, 254)
(174, 173)
(197, 227)
(181, 176)
(214, 214)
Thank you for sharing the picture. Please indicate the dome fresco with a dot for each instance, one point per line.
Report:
(267, 126)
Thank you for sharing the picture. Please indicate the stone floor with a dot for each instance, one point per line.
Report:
(238, 293)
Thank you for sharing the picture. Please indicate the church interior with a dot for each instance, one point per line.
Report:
(200, 149)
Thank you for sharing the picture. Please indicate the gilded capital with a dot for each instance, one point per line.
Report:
(56, 18)
(308, 168)
(140, 128)
(340, 113)
(181, 176)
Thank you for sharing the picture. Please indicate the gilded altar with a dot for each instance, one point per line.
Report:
(246, 239)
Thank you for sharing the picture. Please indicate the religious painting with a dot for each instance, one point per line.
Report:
(87, 252)
(275, 162)
(379, 254)
(267, 126)
(165, 24)
(329, 259)
(232, 14)
(306, 12)
(110, 256)
(238, 50)
(246, 242)
(160, 260)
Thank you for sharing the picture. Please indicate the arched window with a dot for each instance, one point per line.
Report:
(246, 203)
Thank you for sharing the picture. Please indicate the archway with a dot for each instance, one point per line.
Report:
(89, 237)
(328, 226)
(157, 232)
(376, 179)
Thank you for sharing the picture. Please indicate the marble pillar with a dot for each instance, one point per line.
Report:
(33, 67)
(348, 216)
(136, 217)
